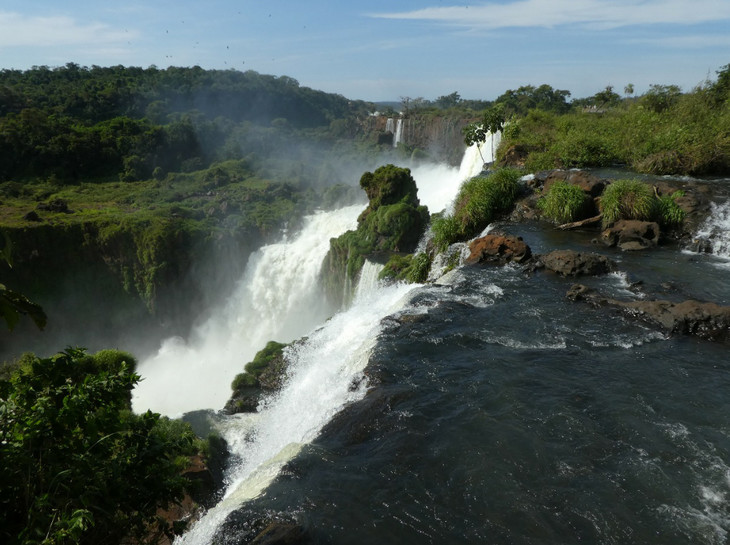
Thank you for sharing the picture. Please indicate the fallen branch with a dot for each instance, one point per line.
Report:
(581, 223)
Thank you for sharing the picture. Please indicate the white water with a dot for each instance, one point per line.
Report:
(319, 384)
(398, 132)
(716, 230)
(276, 299)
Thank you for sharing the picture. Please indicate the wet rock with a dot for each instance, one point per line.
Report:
(701, 319)
(572, 263)
(281, 533)
(589, 183)
(498, 249)
(55, 205)
(632, 235)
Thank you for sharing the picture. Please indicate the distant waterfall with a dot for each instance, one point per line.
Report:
(398, 132)
(390, 125)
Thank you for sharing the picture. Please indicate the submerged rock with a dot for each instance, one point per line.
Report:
(632, 234)
(498, 249)
(572, 263)
(705, 320)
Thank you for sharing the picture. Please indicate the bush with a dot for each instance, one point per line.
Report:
(564, 202)
(479, 201)
(627, 199)
(78, 467)
(669, 213)
(410, 268)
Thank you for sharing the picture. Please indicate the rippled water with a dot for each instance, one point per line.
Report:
(500, 412)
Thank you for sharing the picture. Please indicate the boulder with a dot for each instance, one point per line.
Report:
(701, 319)
(571, 263)
(632, 234)
(589, 183)
(515, 156)
(498, 249)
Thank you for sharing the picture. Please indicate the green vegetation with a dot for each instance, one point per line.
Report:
(492, 121)
(661, 132)
(393, 221)
(669, 213)
(14, 304)
(627, 199)
(564, 202)
(411, 268)
(479, 202)
(271, 354)
(77, 465)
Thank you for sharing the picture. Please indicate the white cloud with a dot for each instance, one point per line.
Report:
(551, 13)
(24, 31)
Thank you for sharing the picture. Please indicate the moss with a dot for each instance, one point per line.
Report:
(409, 268)
(392, 222)
(270, 358)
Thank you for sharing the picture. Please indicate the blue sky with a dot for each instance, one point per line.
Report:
(380, 50)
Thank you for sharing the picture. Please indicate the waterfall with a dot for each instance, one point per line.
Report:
(398, 132)
(389, 125)
(716, 230)
(320, 382)
(276, 299)
(472, 162)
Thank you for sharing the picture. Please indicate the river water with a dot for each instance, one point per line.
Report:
(488, 408)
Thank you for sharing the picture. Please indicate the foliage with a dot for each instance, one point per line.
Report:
(479, 201)
(411, 268)
(527, 98)
(669, 213)
(491, 122)
(13, 304)
(564, 202)
(262, 360)
(662, 132)
(77, 465)
(627, 199)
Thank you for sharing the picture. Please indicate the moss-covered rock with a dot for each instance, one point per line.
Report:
(393, 221)
(264, 373)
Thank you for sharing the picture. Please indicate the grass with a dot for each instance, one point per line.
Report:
(479, 202)
(564, 202)
(627, 199)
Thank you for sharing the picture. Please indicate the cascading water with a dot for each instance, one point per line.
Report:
(716, 230)
(277, 299)
(322, 370)
(398, 137)
(389, 125)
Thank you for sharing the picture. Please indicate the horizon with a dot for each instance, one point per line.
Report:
(380, 53)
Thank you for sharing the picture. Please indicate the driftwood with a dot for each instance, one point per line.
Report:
(581, 223)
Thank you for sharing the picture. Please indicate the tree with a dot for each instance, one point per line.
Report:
(76, 465)
(448, 101)
(629, 90)
(660, 98)
(13, 304)
(492, 122)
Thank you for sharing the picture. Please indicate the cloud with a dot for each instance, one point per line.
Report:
(24, 31)
(551, 13)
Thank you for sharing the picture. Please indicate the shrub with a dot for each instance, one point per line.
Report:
(411, 268)
(669, 213)
(627, 199)
(564, 202)
(445, 231)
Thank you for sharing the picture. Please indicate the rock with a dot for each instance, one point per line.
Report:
(32, 216)
(632, 234)
(589, 183)
(499, 249)
(515, 156)
(281, 533)
(571, 263)
(55, 205)
(705, 320)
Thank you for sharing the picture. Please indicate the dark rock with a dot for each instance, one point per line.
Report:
(243, 400)
(32, 216)
(589, 183)
(705, 320)
(632, 234)
(55, 205)
(281, 533)
(571, 263)
(498, 249)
